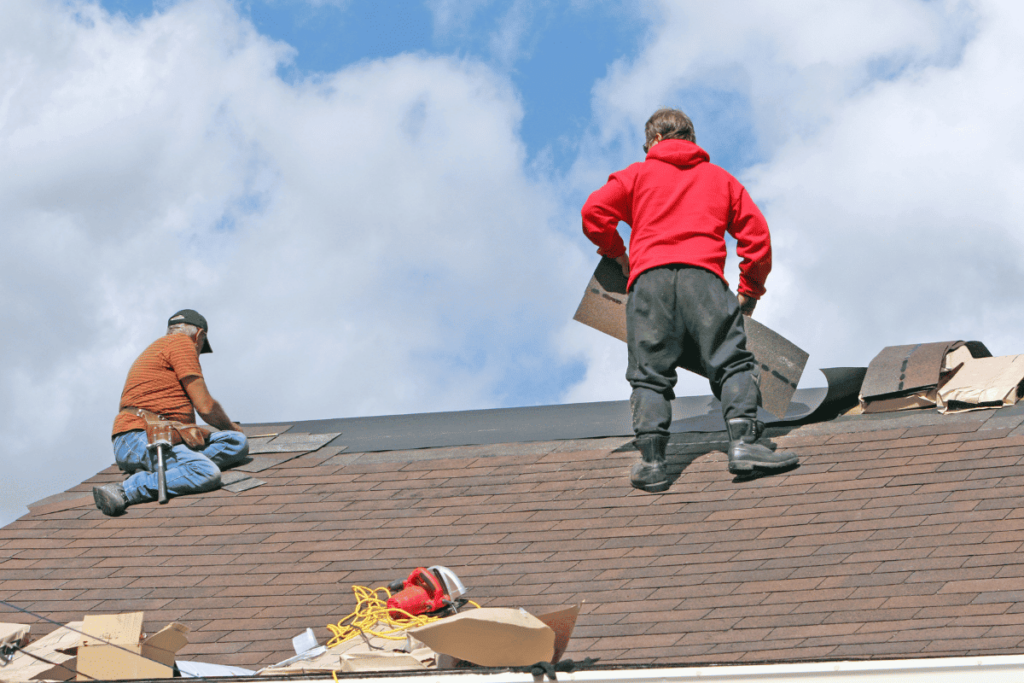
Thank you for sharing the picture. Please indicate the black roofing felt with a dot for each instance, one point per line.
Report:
(552, 423)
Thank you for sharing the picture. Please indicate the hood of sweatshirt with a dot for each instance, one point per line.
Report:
(681, 153)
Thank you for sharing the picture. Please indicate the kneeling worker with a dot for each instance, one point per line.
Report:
(679, 207)
(165, 383)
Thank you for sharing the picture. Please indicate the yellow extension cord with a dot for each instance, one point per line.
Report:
(372, 611)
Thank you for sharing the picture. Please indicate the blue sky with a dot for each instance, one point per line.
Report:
(567, 47)
(376, 204)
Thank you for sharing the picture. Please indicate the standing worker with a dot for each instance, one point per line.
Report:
(679, 207)
(166, 383)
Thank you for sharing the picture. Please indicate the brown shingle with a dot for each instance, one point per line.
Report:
(898, 535)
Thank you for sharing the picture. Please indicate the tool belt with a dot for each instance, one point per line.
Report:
(158, 427)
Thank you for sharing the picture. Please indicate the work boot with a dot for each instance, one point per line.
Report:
(745, 453)
(650, 474)
(762, 439)
(110, 499)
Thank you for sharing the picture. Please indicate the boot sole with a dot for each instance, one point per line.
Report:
(657, 487)
(749, 465)
(106, 505)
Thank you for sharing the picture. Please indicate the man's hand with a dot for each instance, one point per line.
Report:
(747, 304)
(623, 262)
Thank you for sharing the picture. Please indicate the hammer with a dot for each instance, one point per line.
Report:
(161, 437)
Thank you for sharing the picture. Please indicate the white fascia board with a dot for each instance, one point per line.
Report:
(1002, 669)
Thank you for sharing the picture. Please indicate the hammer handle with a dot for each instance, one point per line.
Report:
(161, 473)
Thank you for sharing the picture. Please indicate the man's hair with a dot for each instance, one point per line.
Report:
(182, 328)
(669, 124)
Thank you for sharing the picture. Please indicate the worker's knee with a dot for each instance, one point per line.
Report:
(130, 451)
(211, 482)
(204, 475)
(192, 472)
(227, 449)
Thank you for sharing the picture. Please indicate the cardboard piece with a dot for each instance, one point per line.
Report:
(983, 383)
(910, 376)
(325, 663)
(57, 647)
(13, 633)
(331, 660)
(112, 648)
(189, 669)
(781, 362)
(380, 661)
(491, 636)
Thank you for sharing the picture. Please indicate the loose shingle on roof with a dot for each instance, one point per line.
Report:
(899, 535)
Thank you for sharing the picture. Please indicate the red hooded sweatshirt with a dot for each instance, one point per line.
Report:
(679, 206)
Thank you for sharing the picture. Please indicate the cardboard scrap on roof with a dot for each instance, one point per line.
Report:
(478, 637)
(983, 383)
(113, 648)
(51, 658)
(491, 636)
(953, 375)
(100, 647)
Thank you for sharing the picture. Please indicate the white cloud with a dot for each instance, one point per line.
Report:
(369, 242)
(453, 17)
(511, 41)
(892, 159)
(365, 243)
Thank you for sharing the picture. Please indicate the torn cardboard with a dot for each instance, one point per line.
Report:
(112, 648)
(356, 650)
(189, 669)
(780, 361)
(381, 661)
(491, 636)
(910, 376)
(13, 634)
(982, 383)
(57, 648)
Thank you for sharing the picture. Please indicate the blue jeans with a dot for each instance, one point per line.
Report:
(188, 471)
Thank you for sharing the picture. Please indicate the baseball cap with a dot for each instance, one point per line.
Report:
(190, 317)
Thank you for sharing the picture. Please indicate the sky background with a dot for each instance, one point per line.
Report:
(376, 204)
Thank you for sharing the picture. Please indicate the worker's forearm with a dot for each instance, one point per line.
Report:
(216, 417)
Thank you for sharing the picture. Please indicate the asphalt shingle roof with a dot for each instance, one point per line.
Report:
(900, 535)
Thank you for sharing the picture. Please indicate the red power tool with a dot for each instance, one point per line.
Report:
(421, 593)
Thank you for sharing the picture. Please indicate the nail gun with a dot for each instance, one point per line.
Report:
(425, 591)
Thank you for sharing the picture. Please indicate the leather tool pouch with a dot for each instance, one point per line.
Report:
(158, 428)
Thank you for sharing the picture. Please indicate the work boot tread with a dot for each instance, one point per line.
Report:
(110, 499)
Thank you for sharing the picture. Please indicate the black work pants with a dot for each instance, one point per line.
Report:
(680, 315)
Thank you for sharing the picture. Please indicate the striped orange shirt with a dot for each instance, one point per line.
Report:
(154, 382)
